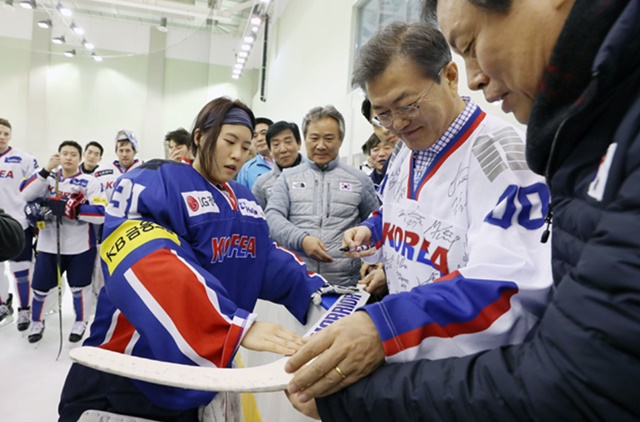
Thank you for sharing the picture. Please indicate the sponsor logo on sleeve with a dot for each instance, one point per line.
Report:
(13, 160)
(103, 173)
(199, 202)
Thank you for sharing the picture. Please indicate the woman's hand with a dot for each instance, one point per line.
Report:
(270, 337)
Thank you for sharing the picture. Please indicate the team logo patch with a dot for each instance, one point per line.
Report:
(345, 186)
(298, 185)
(199, 202)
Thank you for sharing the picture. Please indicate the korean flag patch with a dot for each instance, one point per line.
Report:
(345, 186)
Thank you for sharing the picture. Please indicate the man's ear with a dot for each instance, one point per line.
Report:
(450, 75)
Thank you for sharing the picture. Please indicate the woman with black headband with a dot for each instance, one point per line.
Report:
(185, 255)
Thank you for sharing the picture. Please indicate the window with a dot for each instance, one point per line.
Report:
(372, 14)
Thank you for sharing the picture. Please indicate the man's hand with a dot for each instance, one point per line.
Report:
(375, 282)
(309, 409)
(54, 161)
(351, 344)
(316, 249)
(356, 236)
(270, 337)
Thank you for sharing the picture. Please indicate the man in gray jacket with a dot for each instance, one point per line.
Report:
(283, 140)
(312, 204)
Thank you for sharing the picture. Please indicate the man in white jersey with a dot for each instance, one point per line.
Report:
(126, 150)
(15, 165)
(91, 157)
(78, 201)
(459, 230)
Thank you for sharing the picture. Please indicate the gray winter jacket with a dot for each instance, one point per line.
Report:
(308, 200)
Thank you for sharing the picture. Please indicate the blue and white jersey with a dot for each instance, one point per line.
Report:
(15, 166)
(461, 246)
(76, 236)
(185, 262)
(108, 174)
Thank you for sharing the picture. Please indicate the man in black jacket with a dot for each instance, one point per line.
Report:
(571, 70)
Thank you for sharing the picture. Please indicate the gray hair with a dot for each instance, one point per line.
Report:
(318, 113)
(429, 7)
(421, 42)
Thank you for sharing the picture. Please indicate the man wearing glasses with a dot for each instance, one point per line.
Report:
(459, 231)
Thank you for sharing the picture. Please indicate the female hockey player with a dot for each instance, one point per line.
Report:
(185, 255)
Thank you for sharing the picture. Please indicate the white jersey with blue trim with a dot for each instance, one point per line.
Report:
(464, 239)
(76, 236)
(108, 174)
(15, 166)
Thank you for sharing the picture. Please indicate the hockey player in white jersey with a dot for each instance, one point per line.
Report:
(15, 165)
(126, 150)
(77, 199)
(460, 227)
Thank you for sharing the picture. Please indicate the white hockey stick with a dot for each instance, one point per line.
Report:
(270, 377)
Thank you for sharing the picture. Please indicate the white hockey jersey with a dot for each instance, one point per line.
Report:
(15, 166)
(76, 236)
(108, 174)
(465, 240)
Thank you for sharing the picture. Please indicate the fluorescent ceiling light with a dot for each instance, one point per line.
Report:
(70, 53)
(46, 24)
(243, 54)
(256, 20)
(64, 11)
(75, 28)
(28, 4)
(163, 25)
(58, 40)
(95, 57)
(88, 45)
(235, 76)
(245, 47)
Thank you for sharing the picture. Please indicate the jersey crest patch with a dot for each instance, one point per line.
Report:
(199, 202)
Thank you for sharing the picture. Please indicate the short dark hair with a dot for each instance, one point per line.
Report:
(70, 143)
(420, 42)
(278, 127)
(264, 120)
(180, 136)
(371, 143)
(94, 144)
(5, 122)
(365, 109)
(429, 7)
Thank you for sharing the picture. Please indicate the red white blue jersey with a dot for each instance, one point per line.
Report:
(185, 262)
(76, 236)
(464, 239)
(15, 166)
(108, 174)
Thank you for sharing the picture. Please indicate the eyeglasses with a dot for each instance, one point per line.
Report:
(407, 112)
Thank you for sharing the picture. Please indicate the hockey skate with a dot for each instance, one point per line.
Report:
(6, 310)
(24, 318)
(35, 332)
(77, 331)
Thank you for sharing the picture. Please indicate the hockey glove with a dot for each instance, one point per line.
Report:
(57, 204)
(71, 207)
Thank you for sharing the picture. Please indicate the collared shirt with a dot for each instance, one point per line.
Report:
(422, 159)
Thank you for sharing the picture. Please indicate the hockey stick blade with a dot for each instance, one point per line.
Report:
(265, 378)
(270, 377)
